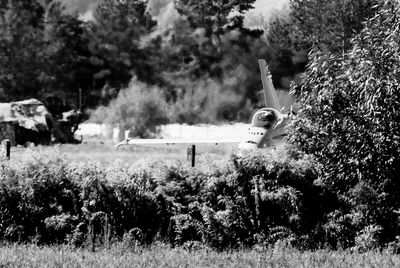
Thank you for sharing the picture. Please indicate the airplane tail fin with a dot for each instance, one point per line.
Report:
(271, 99)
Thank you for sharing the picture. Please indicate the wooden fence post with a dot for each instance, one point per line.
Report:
(6, 144)
(191, 154)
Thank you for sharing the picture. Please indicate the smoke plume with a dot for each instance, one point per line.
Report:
(164, 12)
(80, 6)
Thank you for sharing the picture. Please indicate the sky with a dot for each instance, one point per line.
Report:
(266, 8)
(263, 11)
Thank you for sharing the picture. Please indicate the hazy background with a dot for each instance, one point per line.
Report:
(164, 8)
(140, 64)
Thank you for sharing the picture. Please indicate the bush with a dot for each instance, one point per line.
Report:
(47, 200)
(351, 124)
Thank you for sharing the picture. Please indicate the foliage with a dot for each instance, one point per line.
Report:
(49, 53)
(255, 200)
(50, 201)
(208, 43)
(329, 25)
(47, 200)
(215, 18)
(116, 43)
(42, 52)
(21, 42)
(68, 66)
(52, 54)
(325, 25)
(351, 114)
(137, 108)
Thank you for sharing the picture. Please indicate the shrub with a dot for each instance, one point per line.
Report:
(48, 200)
(351, 122)
(234, 208)
(39, 189)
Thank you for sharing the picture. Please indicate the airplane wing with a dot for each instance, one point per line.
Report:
(271, 99)
(175, 141)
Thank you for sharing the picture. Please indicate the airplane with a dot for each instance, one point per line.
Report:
(266, 124)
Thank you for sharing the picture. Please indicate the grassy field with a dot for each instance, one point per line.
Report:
(105, 154)
(162, 256)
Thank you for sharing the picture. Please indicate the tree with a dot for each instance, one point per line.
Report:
(215, 17)
(325, 25)
(287, 60)
(67, 55)
(21, 42)
(117, 42)
(209, 46)
(212, 26)
(328, 25)
(43, 53)
(351, 124)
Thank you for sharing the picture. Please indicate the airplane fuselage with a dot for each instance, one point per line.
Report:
(259, 134)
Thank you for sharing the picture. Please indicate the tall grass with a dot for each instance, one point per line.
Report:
(105, 154)
(163, 256)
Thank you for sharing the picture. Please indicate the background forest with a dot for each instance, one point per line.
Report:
(186, 61)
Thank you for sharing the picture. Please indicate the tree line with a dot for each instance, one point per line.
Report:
(47, 52)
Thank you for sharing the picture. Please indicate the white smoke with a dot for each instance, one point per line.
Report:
(164, 12)
(80, 6)
(264, 11)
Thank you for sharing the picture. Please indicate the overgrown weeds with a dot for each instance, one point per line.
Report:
(256, 200)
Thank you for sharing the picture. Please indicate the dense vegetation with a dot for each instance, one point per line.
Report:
(48, 51)
(256, 200)
(350, 124)
(338, 188)
(199, 54)
(160, 255)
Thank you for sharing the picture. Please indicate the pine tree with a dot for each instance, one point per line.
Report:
(118, 42)
(21, 43)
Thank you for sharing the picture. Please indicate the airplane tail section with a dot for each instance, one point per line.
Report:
(271, 99)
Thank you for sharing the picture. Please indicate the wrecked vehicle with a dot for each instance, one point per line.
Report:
(29, 121)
